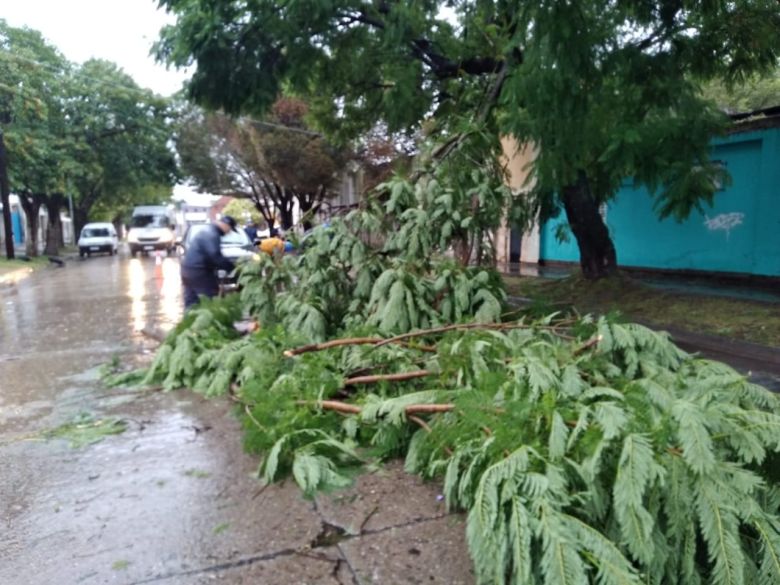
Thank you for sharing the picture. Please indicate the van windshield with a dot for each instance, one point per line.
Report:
(150, 221)
(95, 233)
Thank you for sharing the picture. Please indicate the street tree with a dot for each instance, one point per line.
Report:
(37, 149)
(278, 163)
(605, 90)
(121, 134)
(243, 209)
(754, 93)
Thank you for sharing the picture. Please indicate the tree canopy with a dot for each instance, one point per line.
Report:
(606, 90)
(276, 162)
(87, 130)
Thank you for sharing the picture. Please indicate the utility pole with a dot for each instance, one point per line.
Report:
(5, 197)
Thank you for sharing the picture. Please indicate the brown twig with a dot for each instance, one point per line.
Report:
(428, 408)
(336, 405)
(329, 344)
(350, 341)
(367, 369)
(426, 427)
(417, 420)
(457, 327)
(339, 406)
(592, 342)
(248, 411)
(398, 377)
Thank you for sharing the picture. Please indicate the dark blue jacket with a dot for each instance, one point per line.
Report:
(205, 253)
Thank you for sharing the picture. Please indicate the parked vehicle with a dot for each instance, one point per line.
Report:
(96, 238)
(152, 228)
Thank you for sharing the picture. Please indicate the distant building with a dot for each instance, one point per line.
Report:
(21, 230)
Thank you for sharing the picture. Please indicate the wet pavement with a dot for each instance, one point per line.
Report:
(172, 499)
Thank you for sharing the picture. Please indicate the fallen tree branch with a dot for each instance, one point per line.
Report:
(349, 341)
(417, 420)
(458, 327)
(399, 377)
(367, 369)
(339, 406)
(332, 405)
(592, 342)
(329, 344)
(426, 427)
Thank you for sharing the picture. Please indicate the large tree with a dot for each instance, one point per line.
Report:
(38, 136)
(277, 163)
(122, 134)
(87, 130)
(606, 90)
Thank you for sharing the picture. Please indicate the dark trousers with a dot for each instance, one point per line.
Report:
(197, 283)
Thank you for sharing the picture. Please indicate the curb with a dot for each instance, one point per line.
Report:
(739, 354)
(742, 355)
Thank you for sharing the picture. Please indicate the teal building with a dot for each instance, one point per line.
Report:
(739, 234)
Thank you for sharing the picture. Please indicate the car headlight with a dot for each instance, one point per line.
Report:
(166, 237)
(132, 237)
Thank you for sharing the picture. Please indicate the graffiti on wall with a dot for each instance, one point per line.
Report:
(724, 222)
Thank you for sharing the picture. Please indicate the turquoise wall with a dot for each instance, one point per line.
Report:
(16, 226)
(739, 233)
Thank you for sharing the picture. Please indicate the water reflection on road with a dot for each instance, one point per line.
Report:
(165, 285)
(60, 321)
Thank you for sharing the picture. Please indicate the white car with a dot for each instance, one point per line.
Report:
(96, 238)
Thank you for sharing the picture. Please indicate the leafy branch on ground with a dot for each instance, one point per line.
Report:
(583, 450)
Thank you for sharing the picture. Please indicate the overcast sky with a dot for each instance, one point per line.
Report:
(121, 31)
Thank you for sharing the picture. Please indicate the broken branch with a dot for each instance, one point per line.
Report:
(339, 406)
(349, 341)
(399, 377)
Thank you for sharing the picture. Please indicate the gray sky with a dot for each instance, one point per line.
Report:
(121, 31)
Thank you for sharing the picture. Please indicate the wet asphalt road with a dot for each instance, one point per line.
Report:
(173, 499)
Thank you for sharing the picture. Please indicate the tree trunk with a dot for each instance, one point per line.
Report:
(310, 204)
(597, 253)
(54, 203)
(285, 209)
(117, 221)
(5, 196)
(31, 204)
(79, 219)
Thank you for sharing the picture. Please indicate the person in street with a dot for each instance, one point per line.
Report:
(251, 230)
(272, 245)
(202, 260)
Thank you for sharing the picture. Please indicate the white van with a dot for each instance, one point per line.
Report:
(96, 238)
(152, 227)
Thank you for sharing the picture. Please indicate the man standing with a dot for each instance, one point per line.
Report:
(202, 260)
(251, 230)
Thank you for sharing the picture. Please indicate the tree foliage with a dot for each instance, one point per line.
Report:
(755, 93)
(87, 129)
(582, 451)
(122, 149)
(277, 163)
(606, 90)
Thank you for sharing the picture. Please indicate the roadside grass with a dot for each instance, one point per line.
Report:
(8, 266)
(753, 321)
